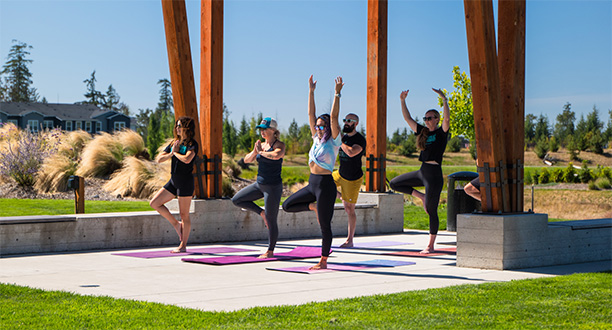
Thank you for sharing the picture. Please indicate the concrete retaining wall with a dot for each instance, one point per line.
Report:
(528, 240)
(212, 221)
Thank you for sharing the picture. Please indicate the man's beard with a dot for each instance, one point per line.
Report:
(348, 129)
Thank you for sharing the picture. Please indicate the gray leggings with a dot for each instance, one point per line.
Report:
(271, 195)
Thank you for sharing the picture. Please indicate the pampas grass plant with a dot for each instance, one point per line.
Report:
(101, 156)
(138, 178)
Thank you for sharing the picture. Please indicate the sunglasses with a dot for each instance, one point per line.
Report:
(348, 120)
(320, 127)
(429, 118)
(179, 126)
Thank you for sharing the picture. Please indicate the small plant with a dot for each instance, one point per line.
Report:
(541, 148)
(544, 176)
(585, 175)
(454, 144)
(603, 183)
(24, 153)
(569, 174)
(593, 185)
(556, 174)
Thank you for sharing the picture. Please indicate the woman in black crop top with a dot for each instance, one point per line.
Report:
(182, 152)
(431, 140)
(269, 184)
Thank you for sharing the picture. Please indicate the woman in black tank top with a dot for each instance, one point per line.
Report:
(431, 140)
(269, 184)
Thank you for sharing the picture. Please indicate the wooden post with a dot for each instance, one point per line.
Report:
(511, 57)
(211, 92)
(181, 68)
(480, 29)
(79, 196)
(376, 123)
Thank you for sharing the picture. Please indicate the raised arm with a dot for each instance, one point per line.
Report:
(312, 111)
(335, 110)
(406, 113)
(446, 115)
(250, 157)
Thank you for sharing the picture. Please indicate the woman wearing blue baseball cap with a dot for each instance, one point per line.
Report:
(269, 185)
(320, 194)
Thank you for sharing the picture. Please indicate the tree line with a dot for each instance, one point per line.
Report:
(156, 125)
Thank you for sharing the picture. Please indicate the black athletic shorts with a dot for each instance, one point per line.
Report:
(180, 187)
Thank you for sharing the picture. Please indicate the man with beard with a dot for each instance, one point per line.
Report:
(350, 176)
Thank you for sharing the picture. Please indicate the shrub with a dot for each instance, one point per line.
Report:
(101, 157)
(569, 174)
(454, 144)
(585, 175)
(541, 148)
(231, 167)
(408, 146)
(24, 153)
(556, 175)
(603, 183)
(138, 178)
(472, 149)
(544, 176)
(592, 185)
(603, 172)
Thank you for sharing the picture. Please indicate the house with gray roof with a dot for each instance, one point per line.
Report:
(68, 117)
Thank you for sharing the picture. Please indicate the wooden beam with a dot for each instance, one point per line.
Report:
(211, 92)
(484, 73)
(511, 57)
(181, 68)
(377, 95)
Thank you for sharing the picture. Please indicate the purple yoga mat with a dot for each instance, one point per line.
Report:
(416, 253)
(300, 252)
(380, 263)
(168, 253)
(330, 268)
(373, 244)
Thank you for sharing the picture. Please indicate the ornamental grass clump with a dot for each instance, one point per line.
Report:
(101, 157)
(55, 170)
(133, 144)
(23, 153)
(138, 178)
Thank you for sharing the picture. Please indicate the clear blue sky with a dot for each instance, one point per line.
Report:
(271, 48)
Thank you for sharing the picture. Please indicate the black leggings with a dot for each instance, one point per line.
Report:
(271, 195)
(429, 176)
(322, 189)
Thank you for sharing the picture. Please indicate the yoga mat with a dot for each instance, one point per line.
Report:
(380, 263)
(372, 244)
(330, 268)
(416, 253)
(168, 253)
(300, 252)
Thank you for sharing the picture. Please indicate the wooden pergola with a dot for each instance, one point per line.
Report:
(498, 88)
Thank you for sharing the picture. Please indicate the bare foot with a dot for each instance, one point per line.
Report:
(267, 255)
(347, 244)
(179, 250)
(427, 250)
(320, 265)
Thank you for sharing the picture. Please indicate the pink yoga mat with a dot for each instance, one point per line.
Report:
(330, 268)
(300, 252)
(417, 253)
(380, 263)
(373, 244)
(168, 253)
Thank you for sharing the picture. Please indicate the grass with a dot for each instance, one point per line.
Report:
(19, 207)
(578, 301)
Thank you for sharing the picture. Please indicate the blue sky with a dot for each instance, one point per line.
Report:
(272, 47)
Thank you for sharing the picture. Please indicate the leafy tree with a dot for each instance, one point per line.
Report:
(92, 96)
(565, 124)
(530, 132)
(460, 104)
(18, 81)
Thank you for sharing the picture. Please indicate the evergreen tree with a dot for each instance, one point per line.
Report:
(154, 137)
(110, 100)
(542, 128)
(565, 124)
(142, 123)
(92, 96)
(244, 139)
(165, 95)
(17, 86)
(530, 129)
(580, 134)
(230, 144)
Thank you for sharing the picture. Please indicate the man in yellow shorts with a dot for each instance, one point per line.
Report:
(350, 175)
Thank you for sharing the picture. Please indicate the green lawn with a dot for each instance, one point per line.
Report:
(18, 207)
(579, 301)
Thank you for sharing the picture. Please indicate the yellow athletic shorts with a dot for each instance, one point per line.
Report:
(348, 189)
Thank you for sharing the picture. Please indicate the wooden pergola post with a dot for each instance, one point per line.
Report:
(376, 150)
(480, 29)
(181, 68)
(511, 58)
(211, 93)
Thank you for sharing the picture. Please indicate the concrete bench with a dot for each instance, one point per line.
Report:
(212, 221)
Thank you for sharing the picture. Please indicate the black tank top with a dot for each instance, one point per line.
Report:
(269, 170)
